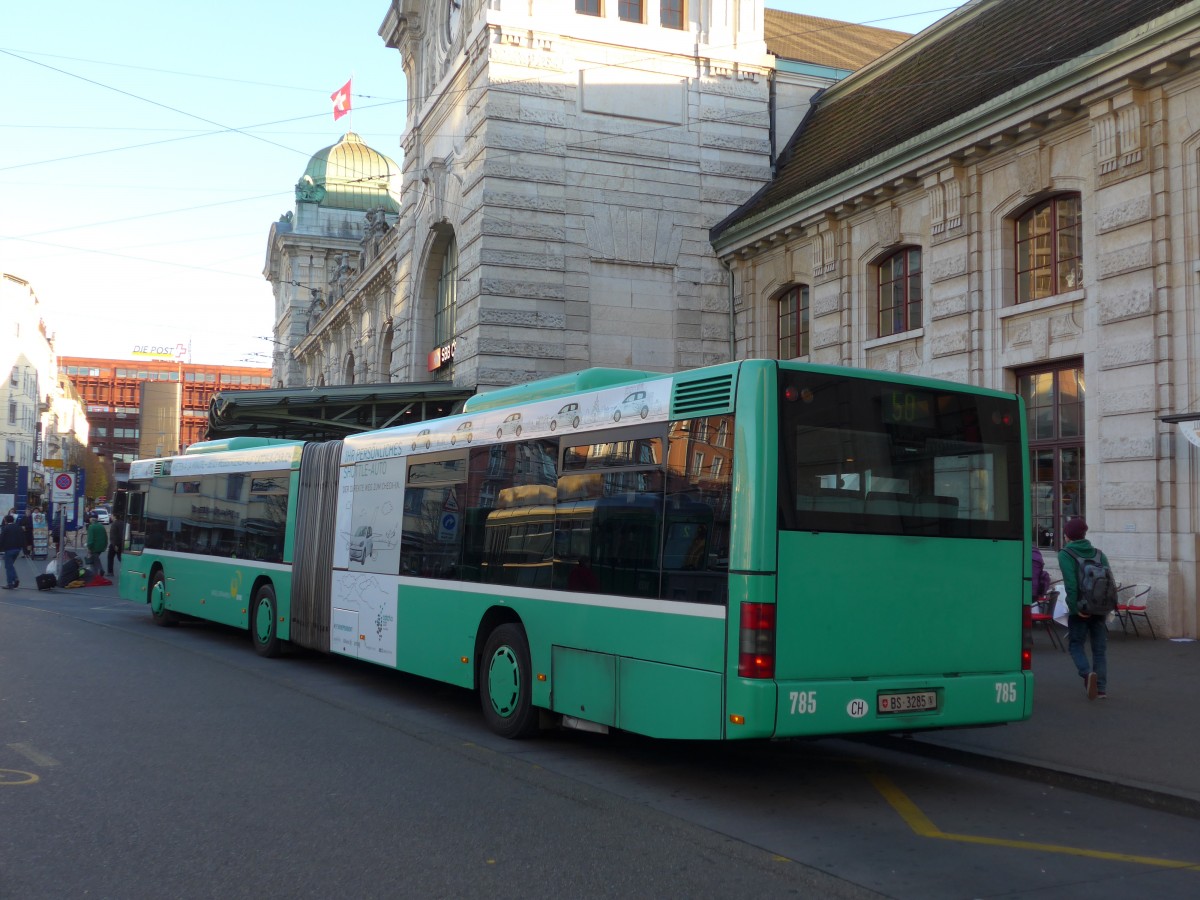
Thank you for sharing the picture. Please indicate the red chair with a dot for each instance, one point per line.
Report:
(1043, 614)
(1131, 604)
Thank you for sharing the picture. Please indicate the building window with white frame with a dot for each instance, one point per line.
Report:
(631, 11)
(672, 14)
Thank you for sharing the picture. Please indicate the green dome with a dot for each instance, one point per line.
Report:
(349, 175)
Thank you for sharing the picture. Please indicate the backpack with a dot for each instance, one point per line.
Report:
(1097, 587)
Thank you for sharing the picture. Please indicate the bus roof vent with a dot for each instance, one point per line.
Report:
(703, 395)
(162, 467)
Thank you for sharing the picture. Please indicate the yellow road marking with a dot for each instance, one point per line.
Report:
(35, 757)
(922, 825)
(16, 776)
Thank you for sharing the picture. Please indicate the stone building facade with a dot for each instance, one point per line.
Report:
(332, 268)
(1026, 219)
(562, 164)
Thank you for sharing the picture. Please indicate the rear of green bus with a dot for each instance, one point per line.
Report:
(888, 590)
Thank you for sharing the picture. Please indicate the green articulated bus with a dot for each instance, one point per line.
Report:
(752, 550)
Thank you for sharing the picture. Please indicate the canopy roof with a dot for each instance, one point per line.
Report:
(329, 413)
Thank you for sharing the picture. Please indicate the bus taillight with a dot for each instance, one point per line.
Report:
(1026, 637)
(756, 643)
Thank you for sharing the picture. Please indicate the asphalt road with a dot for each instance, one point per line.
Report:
(138, 761)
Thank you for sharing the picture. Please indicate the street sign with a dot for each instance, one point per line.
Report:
(64, 488)
(448, 528)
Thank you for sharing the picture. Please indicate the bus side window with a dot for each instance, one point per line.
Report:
(695, 556)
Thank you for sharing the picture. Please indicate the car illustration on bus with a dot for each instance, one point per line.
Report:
(362, 545)
(511, 425)
(633, 405)
(568, 415)
(423, 433)
(463, 431)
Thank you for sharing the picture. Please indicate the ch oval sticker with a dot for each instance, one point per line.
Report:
(856, 708)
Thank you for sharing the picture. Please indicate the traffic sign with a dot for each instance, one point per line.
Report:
(448, 528)
(64, 488)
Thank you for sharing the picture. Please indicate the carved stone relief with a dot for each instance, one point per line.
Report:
(887, 226)
(1119, 138)
(946, 206)
(1033, 171)
(824, 254)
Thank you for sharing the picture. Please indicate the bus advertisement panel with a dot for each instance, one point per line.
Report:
(757, 549)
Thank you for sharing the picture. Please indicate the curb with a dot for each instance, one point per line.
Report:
(1134, 795)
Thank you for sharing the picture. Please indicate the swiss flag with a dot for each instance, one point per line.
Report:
(341, 101)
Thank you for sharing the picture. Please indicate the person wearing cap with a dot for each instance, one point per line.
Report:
(1080, 626)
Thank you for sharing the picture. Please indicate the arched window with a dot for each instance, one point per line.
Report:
(447, 297)
(385, 353)
(793, 322)
(348, 377)
(900, 292)
(1050, 248)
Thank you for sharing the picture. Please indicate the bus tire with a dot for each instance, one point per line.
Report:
(264, 630)
(157, 595)
(506, 683)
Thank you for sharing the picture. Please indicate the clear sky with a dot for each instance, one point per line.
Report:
(146, 148)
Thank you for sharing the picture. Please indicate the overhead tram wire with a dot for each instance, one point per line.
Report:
(592, 142)
(165, 106)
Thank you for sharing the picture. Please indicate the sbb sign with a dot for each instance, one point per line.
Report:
(439, 356)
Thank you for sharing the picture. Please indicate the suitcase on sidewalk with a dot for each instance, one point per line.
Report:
(46, 581)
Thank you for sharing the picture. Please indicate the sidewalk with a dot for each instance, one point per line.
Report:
(1140, 744)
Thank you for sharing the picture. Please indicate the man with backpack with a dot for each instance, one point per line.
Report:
(1091, 596)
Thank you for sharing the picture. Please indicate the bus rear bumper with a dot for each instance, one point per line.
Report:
(813, 708)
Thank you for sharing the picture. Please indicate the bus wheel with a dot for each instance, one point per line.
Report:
(505, 683)
(262, 622)
(158, 602)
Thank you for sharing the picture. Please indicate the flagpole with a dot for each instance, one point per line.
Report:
(350, 115)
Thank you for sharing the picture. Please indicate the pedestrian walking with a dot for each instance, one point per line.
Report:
(1041, 578)
(27, 528)
(97, 542)
(12, 543)
(1083, 626)
(116, 537)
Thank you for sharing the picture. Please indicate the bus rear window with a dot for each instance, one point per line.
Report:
(872, 457)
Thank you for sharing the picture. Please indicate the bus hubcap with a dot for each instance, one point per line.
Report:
(263, 621)
(156, 599)
(504, 681)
